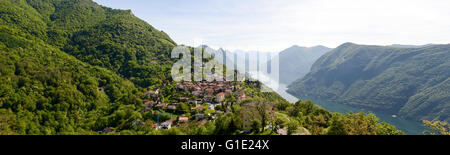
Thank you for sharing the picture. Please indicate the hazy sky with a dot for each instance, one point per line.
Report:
(273, 25)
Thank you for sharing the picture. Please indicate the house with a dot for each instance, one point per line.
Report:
(172, 107)
(166, 124)
(152, 93)
(138, 122)
(241, 96)
(203, 85)
(161, 106)
(180, 86)
(148, 105)
(197, 88)
(247, 114)
(201, 123)
(192, 102)
(108, 129)
(183, 99)
(183, 119)
(228, 92)
(199, 117)
(220, 97)
(199, 108)
(215, 113)
(282, 131)
(211, 106)
(149, 93)
(241, 93)
(219, 89)
(207, 98)
(209, 91)
(187, 83)
(197, 93)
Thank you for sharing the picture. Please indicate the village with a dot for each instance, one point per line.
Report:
(204, 97)
(199, 103)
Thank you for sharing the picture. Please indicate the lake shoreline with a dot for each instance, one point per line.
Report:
(410, 127)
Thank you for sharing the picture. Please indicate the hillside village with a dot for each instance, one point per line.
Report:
(204, 99)
(204, 102)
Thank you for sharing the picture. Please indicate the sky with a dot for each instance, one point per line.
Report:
(274, 25)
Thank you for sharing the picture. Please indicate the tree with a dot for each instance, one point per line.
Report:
(262, 109)
(337, 127)
(256, 126)
(437, 127)
(227, 124)
(384, 128)
(292, 127)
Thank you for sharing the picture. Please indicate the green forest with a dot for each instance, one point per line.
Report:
(412, 83)
(71, 67)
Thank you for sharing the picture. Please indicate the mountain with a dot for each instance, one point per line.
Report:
(296, 61)
(75, 67)
(245, 58)
(409, 46)
(410, 82)
(45, 90)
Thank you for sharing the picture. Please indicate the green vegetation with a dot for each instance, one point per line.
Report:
(409, 82)
(47, 91)
(320, 121)
(437, 127)
(75, 67)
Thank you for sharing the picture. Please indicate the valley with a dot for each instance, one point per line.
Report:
(408, 126)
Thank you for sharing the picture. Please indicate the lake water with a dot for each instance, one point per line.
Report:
(407, 126)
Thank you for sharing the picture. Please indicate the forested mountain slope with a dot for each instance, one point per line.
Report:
(411, 82)
(46, 91)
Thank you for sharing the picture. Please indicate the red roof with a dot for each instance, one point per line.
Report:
(221, 94)
(148, 102)
(183, 118)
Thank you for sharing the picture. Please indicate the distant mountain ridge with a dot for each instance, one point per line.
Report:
(409, 46)
(230, 59)
(410, 82)
(296, 61)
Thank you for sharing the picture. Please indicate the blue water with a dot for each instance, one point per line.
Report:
(407, 126)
